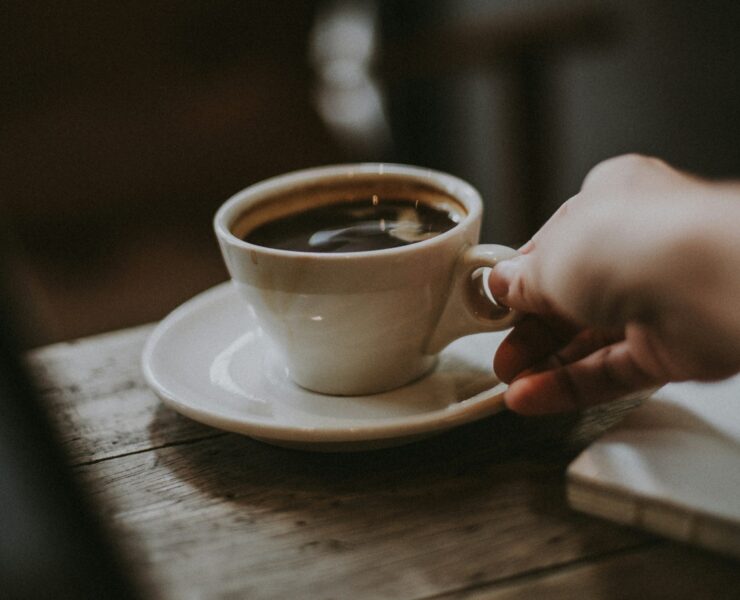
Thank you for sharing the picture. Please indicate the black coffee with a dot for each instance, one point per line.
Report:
(359, 225)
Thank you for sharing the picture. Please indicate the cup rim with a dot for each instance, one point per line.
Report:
(459, 189)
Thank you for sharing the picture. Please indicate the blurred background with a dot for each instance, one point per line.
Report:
(124, 125)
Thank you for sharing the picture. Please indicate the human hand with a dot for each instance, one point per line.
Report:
(634, 282)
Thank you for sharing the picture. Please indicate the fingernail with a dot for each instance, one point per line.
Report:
(510, 400)
(506, 401)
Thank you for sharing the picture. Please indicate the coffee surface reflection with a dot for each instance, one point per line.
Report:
(359, 225)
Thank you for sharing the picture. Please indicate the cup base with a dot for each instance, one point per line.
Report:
(334, 384)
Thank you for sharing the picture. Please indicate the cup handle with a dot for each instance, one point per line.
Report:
(469, 309)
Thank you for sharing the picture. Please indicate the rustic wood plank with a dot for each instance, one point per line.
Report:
(97, 396)
(208, 514)
(231, 515)
(657, 572)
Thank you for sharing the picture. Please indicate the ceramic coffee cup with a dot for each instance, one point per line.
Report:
(352, 323)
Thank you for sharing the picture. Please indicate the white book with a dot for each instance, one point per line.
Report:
(672, 467)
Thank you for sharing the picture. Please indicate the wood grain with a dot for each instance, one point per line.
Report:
(96, 393)
(652, 573)
(206, 514)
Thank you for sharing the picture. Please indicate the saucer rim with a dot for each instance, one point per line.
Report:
(476, 407)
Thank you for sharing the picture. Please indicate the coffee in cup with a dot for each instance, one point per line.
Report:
(358, 225)
(361, 274)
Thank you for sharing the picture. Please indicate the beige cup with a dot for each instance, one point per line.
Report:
(362, 322)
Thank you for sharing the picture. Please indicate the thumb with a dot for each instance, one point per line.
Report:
(514, 284)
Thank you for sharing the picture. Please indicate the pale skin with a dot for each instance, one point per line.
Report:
(633, 283)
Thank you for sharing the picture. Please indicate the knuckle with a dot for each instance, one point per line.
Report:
(621, 374)
(521, 293)
(564, 208)
(612, 376)
(622, 170)
(518, 289)
(566, 382)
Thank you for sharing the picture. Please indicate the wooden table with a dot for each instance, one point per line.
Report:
(478, 512)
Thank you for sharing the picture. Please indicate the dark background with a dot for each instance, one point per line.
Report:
(123, 125)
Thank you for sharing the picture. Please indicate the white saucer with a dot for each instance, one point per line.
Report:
(210, 361)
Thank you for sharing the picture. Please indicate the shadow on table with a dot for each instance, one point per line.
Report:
(524, 458)
(465, 508)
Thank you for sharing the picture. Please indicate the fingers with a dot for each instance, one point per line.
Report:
(512, 282)
(586, 342)
(536, 342)
(531, 341)
(607, 374)
(520, 283)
